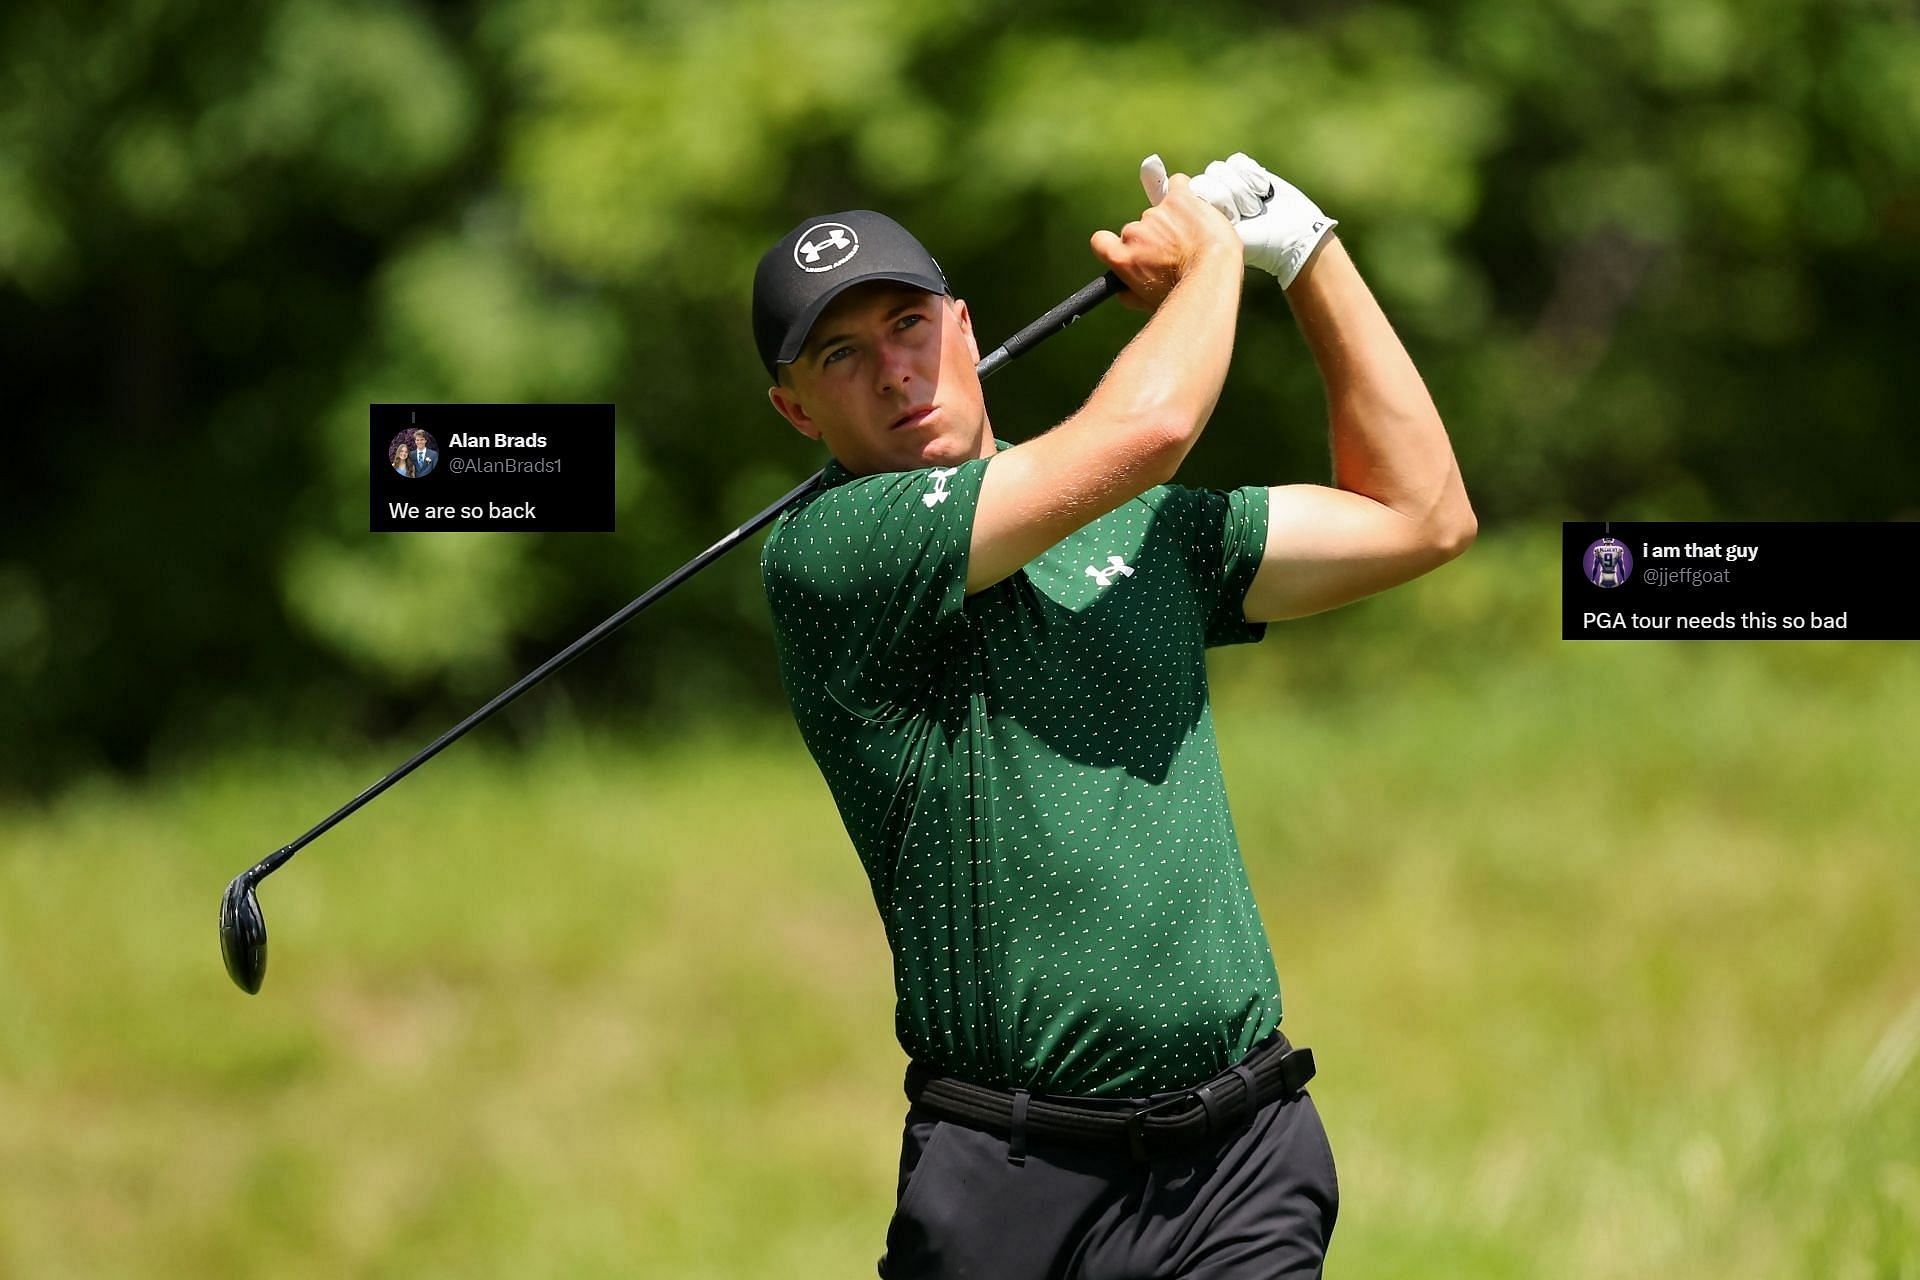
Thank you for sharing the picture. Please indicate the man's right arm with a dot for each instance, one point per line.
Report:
(1183, 261)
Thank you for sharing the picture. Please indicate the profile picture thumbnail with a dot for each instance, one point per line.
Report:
(1608, 563)
(413, 452)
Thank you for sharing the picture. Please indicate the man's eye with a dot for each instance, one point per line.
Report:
(835, 354)
(910, 317)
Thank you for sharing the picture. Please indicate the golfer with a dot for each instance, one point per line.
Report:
(996, 655)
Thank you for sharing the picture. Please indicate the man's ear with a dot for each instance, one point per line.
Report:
(966, 328)
(789, 407)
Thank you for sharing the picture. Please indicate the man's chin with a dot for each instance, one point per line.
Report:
(940, 453)
(949, 450)
(941, 450)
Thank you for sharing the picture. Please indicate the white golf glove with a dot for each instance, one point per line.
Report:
(1279, 226)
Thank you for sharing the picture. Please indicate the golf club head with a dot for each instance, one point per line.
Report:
(243, 935)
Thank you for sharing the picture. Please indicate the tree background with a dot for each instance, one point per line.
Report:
(1655, 260)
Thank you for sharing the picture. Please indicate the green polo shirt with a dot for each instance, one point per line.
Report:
(1029, 774)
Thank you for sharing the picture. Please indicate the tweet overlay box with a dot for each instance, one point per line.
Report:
(519, 468)
(1728, 580)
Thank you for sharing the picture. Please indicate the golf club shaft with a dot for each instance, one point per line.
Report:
(1070, 309)
(1058, 318)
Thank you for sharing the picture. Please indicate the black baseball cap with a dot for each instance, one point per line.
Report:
(818, 260)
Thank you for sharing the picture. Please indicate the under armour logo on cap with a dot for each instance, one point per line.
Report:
(814, 244)
(819, 258)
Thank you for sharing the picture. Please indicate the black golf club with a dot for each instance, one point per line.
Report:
(243, 930)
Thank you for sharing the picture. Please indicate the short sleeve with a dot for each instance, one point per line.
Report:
(1226, 533)
(867, 579)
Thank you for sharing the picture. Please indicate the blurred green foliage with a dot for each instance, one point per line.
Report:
(1655, 259)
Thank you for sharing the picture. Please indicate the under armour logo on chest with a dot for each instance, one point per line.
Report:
(939, 493)
(1115, 565)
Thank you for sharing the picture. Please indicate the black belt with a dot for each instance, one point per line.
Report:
(1143, 1128)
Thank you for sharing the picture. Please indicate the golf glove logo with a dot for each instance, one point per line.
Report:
(939, 494)
(1115, 565)
(1279, 226)
(817, 247)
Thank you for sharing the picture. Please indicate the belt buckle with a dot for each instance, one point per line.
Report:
(1136, 1119)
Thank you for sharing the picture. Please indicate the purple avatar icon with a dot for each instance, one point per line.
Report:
(1608, 563)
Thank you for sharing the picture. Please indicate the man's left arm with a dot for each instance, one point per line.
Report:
(1397, 508)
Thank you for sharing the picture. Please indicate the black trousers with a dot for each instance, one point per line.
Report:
(1260, 1202)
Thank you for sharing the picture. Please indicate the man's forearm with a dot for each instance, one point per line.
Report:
(1169, 376)
(1388, 440)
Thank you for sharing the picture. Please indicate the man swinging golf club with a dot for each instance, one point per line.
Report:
(996, 655)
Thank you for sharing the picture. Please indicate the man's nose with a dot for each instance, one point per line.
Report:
(896, 369)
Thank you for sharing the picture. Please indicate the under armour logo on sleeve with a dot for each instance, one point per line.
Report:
(1115, 565)
(939, 493)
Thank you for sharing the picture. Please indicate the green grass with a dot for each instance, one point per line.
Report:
(1610, 954)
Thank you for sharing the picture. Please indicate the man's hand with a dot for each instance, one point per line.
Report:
(1279, 226)
(1177, 232)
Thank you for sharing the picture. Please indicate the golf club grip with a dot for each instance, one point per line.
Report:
(1082, 301)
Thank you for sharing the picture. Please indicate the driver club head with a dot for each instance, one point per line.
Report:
(243, 935)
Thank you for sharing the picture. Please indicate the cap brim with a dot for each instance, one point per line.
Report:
(803, 324)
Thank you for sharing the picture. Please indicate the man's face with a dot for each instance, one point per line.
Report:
(878, 357)
(420, 440)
